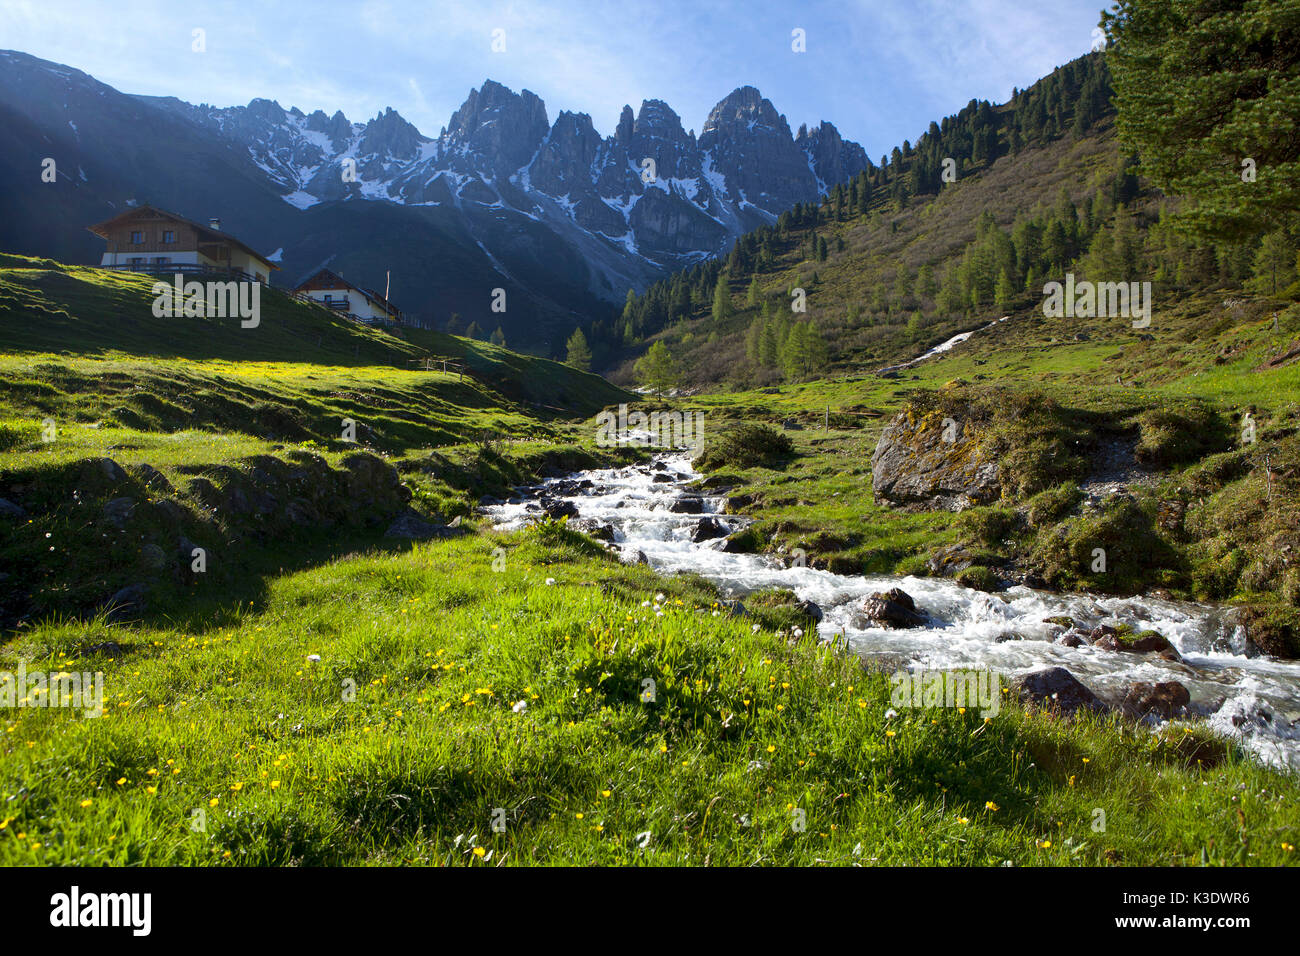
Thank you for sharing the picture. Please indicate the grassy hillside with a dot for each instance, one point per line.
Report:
(200, 431)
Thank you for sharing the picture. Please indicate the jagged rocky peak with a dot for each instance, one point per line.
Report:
(623, 134)
(268, 111)
(749, 142)
(388, 134)
(834, 159)
(658, 134)
(504, 126)
(744, 108)
(564, 162)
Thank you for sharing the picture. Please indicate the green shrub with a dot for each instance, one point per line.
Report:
(1055, 504)
(744, 446)
(988, 526)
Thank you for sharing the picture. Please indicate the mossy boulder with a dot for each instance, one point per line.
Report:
(933, 461)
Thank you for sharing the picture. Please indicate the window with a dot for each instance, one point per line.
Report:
(137, 238)
(169, 236)
(162, 260)
(137, 260)
(328, 297)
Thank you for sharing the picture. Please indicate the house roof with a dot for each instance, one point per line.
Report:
(101, 229)
(338, 281)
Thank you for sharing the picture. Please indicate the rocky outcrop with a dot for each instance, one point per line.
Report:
(932, 461)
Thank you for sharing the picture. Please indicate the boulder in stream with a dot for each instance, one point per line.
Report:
(708, 529)
(600, 530)
(557, 508)
(1165, 699)
(1056, 689)
(687, 506)
(893, 609)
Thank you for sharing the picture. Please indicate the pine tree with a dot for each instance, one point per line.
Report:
(1201, 87)
(473, 331)
(721, 299)
(578, 354)
(499, 337)
(755, 292)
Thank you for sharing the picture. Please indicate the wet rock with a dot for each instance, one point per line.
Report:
(1267, 631)
(10, 510)
(810, 610)
(600, 530)
(1109, 638)
(893, 608)
(558, 509)
(641, 558)
(738, 543)
(687, 506)
(949, 561)
(411, 525)
(1061, 620)
(1166, 699)
(708, 529)
(117, 512)
(662, 479)
(1071, 638)
(1056, 689)
(736, 503)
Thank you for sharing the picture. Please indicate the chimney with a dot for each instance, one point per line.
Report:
(215, 224)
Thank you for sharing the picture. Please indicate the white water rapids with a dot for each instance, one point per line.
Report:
(1254, 699)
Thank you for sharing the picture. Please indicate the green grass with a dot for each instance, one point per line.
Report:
(229, 717)
(212, 697)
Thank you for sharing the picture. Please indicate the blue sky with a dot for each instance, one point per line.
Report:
(880, 70)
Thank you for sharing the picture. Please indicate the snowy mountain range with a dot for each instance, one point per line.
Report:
(556, 210)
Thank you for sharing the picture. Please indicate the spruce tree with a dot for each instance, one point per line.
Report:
(578, 353)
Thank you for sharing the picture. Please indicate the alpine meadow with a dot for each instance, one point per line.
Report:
(532, 494)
